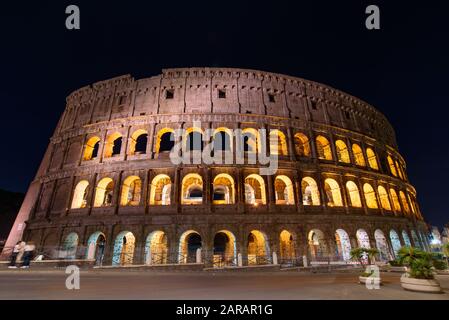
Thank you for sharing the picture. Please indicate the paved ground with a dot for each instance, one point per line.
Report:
(29, 284)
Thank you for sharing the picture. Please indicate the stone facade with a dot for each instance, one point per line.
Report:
(220, 98)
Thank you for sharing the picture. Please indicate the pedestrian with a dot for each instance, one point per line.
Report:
(28, 254)
(14, 254)
(21, 251)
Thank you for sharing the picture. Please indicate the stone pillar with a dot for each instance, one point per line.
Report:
(291, 146)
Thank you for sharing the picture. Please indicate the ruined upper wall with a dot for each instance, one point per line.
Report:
(196, 90)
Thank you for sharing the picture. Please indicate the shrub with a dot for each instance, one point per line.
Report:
(440, 264)
(420, 263)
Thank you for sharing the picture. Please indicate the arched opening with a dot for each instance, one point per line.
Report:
(343, 245)
(382, 245)
(342, 151)
(131, 191)
(222, 140)
(156, 248)
(194, 141)
(310, 192)
(138, 142)
(250, 140)
(395, 242)
(302, 145)
(224, 191)
(80, 195)
(258, 249)
(160, 190)
(416, 240)
(70, 245)
(189, 244)
(358, 155)
(278, 143)
(287, 252)
(192, 189)
(363, 239)
(113, 145)
(95, 247)
(91, 149)
(333, 194)
(406, 239)
(104, 193)
(255, 190)
(383, 196)
(370, 196)
(283, 188)
(323, 148)
(412, 204)
(399, 170)
(354, 195)
(123, 249)
(395, 200)
(391, 166)
(317, 244)
(372, 159)
(225, 249)
(404, 202)
(165, 140)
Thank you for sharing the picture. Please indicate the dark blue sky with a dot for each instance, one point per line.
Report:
(402, 69)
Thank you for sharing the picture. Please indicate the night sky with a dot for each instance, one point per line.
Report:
(402, 69)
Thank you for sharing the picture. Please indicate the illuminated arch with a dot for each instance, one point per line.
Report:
(370, 196)
(395, 200)
(113, 145)
(383, 196)
(391, 165)
(278, 143)
(123, 253)
(310, 192)
(165, 140)
(333, 193)
(256, 184)
(91, 148)
(412, 204)
(372, 159)
(363, 239)
(225, 249)
(358, 155)
(222, 138)
(224, 189)
(70, 245)
(406, 238)
(193, 139)
(80, 195)
(258, 248)
(342, 151)
(192, 189)
(317, 244)
(323, 148)
(404, 202)
(354, 194)
(131, 191)
(138, 142)
(104, 192)
(156, 248)
(189, 243)
(399, 170)
(160, 190)
(382, 245)
(395, 242)
(343, 244)
(283, 188)
(96, 247)
(286, 247)
(302, 145)
(251, 140)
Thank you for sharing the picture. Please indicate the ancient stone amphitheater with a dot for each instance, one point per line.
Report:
(107, 188)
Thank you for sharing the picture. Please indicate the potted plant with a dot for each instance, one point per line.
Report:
(365, 256)
(420, 270)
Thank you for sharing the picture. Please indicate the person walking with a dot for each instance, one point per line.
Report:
(14, 254)
(28, 254)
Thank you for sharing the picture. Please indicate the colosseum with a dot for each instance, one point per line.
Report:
(108, 190)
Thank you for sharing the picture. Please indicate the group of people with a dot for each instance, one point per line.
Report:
(22, 252)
